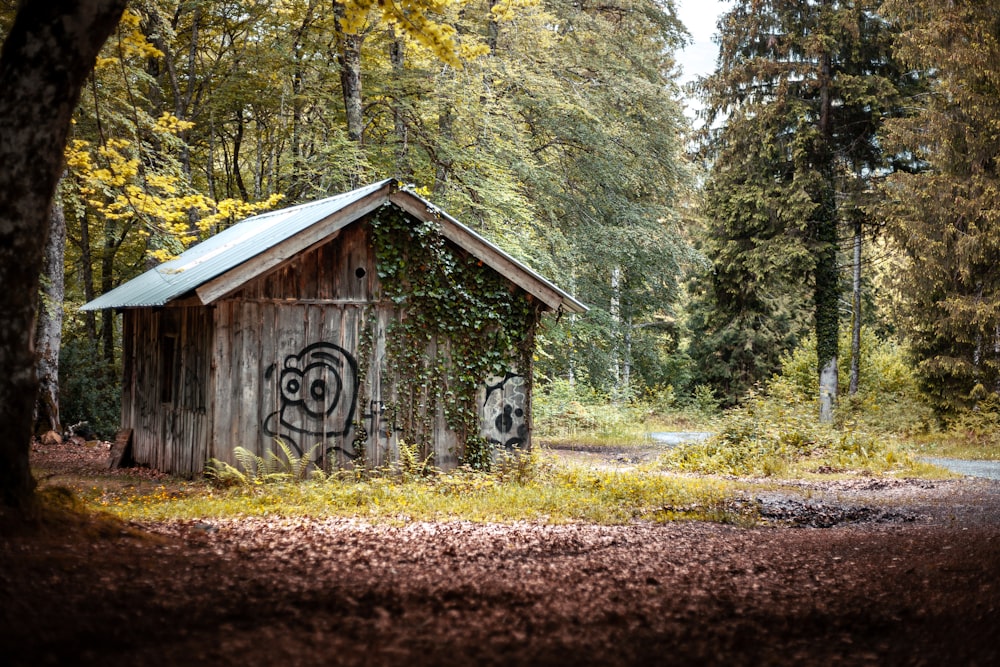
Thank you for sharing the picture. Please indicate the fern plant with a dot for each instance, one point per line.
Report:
(410, 463)
(221, 473)
(267, 469)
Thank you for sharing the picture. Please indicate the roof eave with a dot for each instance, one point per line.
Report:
(554, 298)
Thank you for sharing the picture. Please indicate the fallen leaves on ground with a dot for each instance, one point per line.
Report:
(264, 591)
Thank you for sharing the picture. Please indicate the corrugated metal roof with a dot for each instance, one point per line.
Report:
(224, 251)
(245, 240)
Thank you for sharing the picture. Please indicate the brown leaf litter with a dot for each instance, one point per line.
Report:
(914, 582)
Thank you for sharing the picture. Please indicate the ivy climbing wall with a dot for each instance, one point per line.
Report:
(462, 345)
(383, 333)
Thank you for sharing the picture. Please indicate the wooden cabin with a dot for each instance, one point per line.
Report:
(340, 327)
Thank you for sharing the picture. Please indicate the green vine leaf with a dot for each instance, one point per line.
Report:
(477, 325)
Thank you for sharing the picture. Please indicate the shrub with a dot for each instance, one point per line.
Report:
(520, 467)
(979, 427)
(776, 433)
(888, 398)
(89, 387)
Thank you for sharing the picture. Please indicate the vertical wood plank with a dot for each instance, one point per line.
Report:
(269, 375)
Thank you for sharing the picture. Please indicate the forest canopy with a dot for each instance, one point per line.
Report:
(554, 129)
(843, 178)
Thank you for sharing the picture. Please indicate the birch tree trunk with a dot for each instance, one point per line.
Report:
(852, 387)
(50, 318)
(614, 309)
(48, 53)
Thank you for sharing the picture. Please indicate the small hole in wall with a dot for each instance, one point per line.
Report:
(360, 272)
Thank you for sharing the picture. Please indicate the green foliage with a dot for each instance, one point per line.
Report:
(564, 146)
(522, 468)
(777, 434)
(89, 387)
(889, 397)
(410, 463)
(479, 454)
(267, 469)
(578, 414)
(462, 326)
(801, 90)
(565, 412)
(976, 430)
(942, 210)
(753, 302)
(704, 402)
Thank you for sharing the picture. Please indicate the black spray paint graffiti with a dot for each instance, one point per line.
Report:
(314, 383)
(505, 421)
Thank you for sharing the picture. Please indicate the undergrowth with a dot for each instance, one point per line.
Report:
(776, 433)
(888, 399)
(523, 486)
(577, 414)
(255, 469)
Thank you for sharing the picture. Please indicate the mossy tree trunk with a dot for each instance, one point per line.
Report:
(50, 319)
(827, 290)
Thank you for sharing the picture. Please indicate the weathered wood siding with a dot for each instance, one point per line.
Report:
(288, 372)
(298, 354)
(287, 355)
(305, 347)
(166, 391)
(337, 271)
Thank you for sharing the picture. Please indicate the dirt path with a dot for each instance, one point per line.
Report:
(916, 585)
(984, 469)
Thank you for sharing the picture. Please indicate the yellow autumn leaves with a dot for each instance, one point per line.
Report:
(115, 185)
(120, 180)
(416, 19)
(132, 43)
(117, 179)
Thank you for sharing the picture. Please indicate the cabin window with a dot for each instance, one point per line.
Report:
(168, 365)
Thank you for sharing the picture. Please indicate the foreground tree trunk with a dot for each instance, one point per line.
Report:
(50, 318)
(50, 50)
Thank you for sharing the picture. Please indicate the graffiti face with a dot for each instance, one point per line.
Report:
(318, 387)
(504, 420)
(315, 390)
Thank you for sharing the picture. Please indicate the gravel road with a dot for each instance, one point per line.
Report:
(983, 469)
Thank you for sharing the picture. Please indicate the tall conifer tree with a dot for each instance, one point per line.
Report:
(946, 215)
(801, 88)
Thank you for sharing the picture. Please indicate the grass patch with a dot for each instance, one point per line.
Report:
(954, 445)
(565, 415)
(550, 493)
